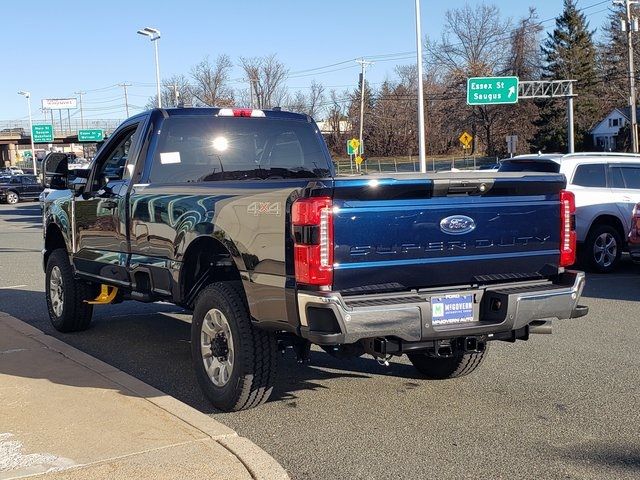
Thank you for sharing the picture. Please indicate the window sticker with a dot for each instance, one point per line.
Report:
(169, 157)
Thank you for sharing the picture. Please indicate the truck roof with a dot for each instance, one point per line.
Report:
(234, 112)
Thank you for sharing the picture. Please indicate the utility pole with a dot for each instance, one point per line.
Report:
(126, 98)
(81, 112)
(421, 134)
(630, 25)
(363, 64)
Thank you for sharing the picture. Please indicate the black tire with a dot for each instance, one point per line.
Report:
(596, 261)
(254, 351)
(437, 368)
(75, 314)
(12, 197)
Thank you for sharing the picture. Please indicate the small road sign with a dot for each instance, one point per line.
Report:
(42, 133)
(466, 139)
(492, 90)
(94, 135)
(353, 146)
(359, 160)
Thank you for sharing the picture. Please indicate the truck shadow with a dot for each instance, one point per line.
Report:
(149, 343)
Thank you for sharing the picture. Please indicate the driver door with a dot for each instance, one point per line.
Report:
(100, 211)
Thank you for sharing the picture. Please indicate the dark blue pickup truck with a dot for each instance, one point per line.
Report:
(239, 216)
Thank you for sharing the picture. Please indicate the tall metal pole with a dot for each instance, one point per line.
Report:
(363, 64)
(632, 80)
(33, 147)
(81, 112)
(155, 42)
(421, 133)
(570, 133)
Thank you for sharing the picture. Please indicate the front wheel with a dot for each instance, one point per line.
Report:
(235, 362)
(440, 368)
(12, 198)
(66, 295)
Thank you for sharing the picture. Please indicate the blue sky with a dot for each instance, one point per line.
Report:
(65, 46)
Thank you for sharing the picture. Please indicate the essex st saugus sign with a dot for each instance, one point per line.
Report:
(492, 90)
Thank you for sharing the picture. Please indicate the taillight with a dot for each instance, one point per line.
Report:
(634, 234)
(567, 228)
(240, 112)
(312, 223)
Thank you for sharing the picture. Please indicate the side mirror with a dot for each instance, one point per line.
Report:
(56, 171)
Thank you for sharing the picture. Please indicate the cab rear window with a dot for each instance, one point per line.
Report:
(204, 149)
(542, 166)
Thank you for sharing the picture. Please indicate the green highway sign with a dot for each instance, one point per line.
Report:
(94, 135)
(492, 90)
(42, 133)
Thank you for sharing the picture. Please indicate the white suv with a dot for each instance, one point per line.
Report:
(606, 186)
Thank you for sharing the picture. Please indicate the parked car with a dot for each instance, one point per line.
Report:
(20, 187)
(606, 187)
(12, 170)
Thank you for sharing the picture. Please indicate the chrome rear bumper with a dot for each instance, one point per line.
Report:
(329, 318)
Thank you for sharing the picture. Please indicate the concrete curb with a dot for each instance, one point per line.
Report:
(259, 463)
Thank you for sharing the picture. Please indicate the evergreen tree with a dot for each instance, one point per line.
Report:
(569, 54)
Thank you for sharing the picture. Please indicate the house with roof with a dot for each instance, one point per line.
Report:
(605, 133)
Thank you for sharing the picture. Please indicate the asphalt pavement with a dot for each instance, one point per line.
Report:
(559, 406)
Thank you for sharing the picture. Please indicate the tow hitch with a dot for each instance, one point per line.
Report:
(384, 347)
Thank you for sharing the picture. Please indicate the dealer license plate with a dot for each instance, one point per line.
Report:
(452, 309)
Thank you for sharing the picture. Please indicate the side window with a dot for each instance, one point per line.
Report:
(590, 175)
(114, 162)
(616, 177)
(15, 180)
(631, 177)
(29, 180)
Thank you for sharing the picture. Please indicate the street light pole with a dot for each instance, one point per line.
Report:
(27, 95)
(421, 134)
(154, 36)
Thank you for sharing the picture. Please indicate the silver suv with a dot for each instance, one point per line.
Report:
(606, 186)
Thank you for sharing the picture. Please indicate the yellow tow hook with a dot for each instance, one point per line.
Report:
(107, 294)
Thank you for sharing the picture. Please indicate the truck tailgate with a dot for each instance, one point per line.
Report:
(404, 232)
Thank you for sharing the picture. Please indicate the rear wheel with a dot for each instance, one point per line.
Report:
(439, 368)
(603, 248)
(13, 198)
(235, 362)
(66, 296)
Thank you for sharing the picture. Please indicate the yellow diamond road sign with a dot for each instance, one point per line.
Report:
(466, 139)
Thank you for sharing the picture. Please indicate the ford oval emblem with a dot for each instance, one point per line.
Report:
(457, 225)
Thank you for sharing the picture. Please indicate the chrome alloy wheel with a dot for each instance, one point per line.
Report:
(56, 291)
(12, 198)
(216, 345)
(605, 250)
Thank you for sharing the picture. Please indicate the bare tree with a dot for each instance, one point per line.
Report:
(311, 104)
(211, 82)
(473, 44)
(266, 76)
(175, 90)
